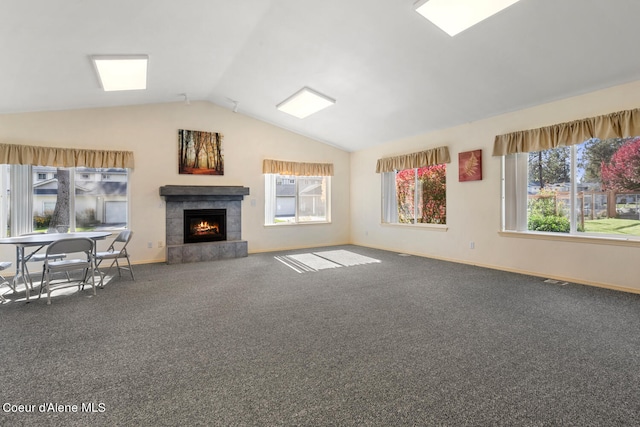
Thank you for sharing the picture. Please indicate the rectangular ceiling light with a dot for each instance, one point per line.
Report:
(304, 103)
(121, 72)
(455, 16)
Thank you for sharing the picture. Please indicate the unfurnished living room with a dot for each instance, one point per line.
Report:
(278, 212)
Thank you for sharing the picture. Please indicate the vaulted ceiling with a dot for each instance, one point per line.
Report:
(393, 73)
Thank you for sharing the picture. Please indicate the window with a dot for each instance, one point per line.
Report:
(415, 196)
(297, 199)
(592, 188)
(42, 176)
(68, 202)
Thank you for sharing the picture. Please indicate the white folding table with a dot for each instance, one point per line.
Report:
(39, 241)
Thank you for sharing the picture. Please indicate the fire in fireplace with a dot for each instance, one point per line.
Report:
(205, 225)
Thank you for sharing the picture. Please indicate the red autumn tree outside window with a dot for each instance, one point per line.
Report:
(622, 173)
(427, 205)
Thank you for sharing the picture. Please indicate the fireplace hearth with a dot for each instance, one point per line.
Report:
(205, 225)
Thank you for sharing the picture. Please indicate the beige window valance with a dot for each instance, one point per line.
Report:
(615, 125)
(435, 156)
(296, 168)
(15, 154)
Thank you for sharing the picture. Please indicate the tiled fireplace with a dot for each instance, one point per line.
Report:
(204, 223)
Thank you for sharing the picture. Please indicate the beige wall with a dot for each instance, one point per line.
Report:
(150, 131)
(473, 208)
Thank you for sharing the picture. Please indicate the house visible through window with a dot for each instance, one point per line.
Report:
(70, 201)
(415, 196)
(297, 199)
(589, 188)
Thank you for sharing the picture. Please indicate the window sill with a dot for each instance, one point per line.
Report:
(598, 240)
(430, 227)
(289, 224)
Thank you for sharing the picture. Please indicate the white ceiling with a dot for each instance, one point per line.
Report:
(392, 72)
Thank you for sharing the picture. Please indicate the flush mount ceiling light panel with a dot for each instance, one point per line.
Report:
(455, 16)
(304, 103)
(121, 72)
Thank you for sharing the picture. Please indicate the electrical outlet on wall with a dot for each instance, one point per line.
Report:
(149, 245)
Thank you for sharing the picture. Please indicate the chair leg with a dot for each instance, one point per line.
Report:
(130, 268)
(48, 274)
(42, 285)
(93, 281)
(118, 267)
(102, 276)
(28, 275)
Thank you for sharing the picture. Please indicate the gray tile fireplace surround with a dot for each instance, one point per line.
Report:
(181, 197)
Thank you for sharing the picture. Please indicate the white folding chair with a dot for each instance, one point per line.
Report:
(117, 250)
(39, 258)
(76, 245)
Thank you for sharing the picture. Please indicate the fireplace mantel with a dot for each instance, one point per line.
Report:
(204, 192)
(181, 197)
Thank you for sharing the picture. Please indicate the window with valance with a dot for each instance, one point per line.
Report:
(56, 189)
(414, 187)
(297, 192)
(580, 177)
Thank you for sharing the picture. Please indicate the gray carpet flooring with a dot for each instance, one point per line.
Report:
(251, 342)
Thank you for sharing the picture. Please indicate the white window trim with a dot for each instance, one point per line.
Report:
(270, 204)
(563, 237)
(514, 215)
(419, 226)
(388, 209)
(21, 203)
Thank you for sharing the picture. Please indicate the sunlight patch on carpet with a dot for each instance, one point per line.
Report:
(346, 258)
(316, 261)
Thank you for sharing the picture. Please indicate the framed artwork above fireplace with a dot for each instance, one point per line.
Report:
(200, 153)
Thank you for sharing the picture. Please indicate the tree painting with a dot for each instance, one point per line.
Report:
(200, 153)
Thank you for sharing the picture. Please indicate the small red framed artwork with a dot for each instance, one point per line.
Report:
(470, 166)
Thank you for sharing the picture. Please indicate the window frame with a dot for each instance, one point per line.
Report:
(18, 208)
(389, 201)
(271, 203)
(514, 204)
